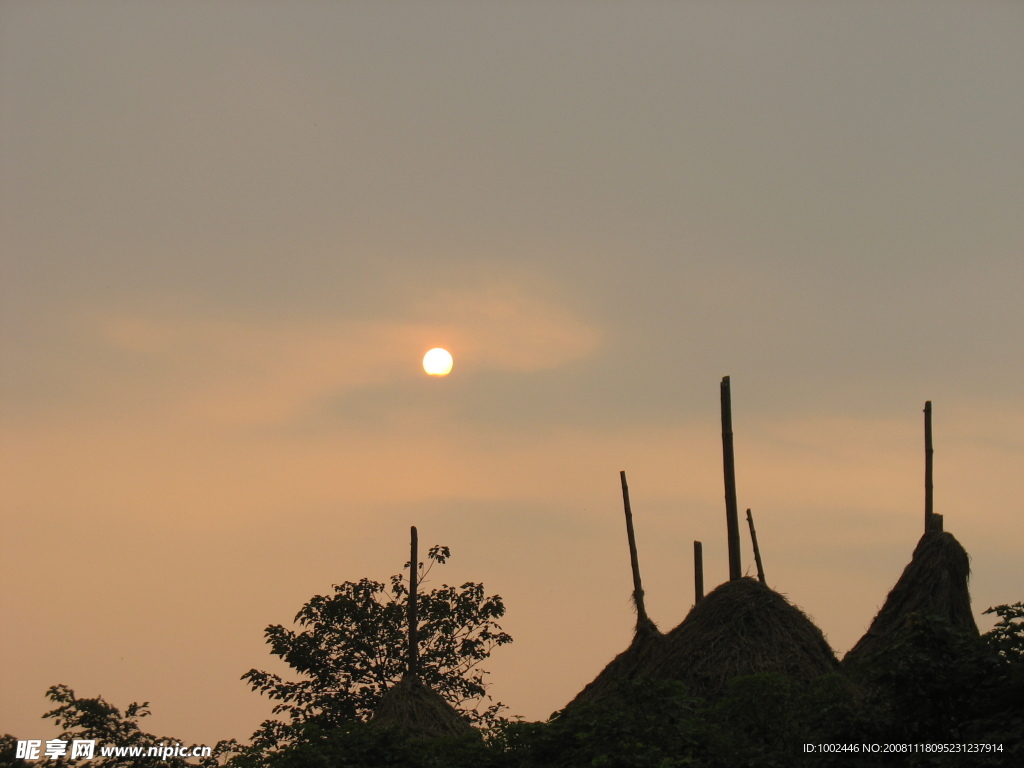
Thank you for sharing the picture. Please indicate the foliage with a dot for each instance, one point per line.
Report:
(646, 723)
(999, 717)
(1006, 638)
(352, 647)
(928, 680)
(762, 716)
(9, 752)
(941, 684)
(96, 719)
(359, 745)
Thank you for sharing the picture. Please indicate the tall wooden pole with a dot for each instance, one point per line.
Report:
(757, 550)
(638, 590)
(698, 572)
(414, 656)
(731, 512)
(928, 451)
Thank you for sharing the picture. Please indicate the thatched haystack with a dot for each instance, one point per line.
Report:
(631, 664)
(742, 628)
(416, 710)
(932, 586)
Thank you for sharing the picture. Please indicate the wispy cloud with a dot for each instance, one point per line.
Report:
(264, 371)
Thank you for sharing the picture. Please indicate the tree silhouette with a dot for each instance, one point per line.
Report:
(351, 646)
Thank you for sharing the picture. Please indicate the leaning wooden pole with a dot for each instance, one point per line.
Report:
(928, 451)
(731, 512)
(698, 572)
(414, 656)
(757, 550)
(638, 590)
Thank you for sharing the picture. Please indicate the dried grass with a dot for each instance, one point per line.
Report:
(742, 628)
(934, 585)
(414, 709)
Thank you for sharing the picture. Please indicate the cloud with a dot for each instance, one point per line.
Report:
(269, 371)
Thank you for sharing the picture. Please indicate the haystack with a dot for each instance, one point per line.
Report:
(932, 586)
(742, 628)
(418, 711)
(631, 664)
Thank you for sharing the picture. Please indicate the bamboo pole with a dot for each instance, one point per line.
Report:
(413, 578)
(638, 590)
(757, 550)
(729, 462)
(928, 451)
(698, 572)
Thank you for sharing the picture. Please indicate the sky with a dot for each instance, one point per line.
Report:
(229, 231)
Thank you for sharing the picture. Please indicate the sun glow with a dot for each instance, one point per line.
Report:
(437, 362)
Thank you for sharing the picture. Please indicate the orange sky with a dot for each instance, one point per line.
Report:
(230, 231)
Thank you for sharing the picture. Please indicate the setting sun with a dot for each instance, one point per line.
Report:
(437, 362)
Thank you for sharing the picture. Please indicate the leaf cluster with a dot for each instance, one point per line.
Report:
(97, 719)
(1006, 638)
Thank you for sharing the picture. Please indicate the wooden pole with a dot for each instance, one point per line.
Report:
(414, 660)
(698, 572)
(731, 512)
(928, 451)
(638, 590)
(757, 551)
